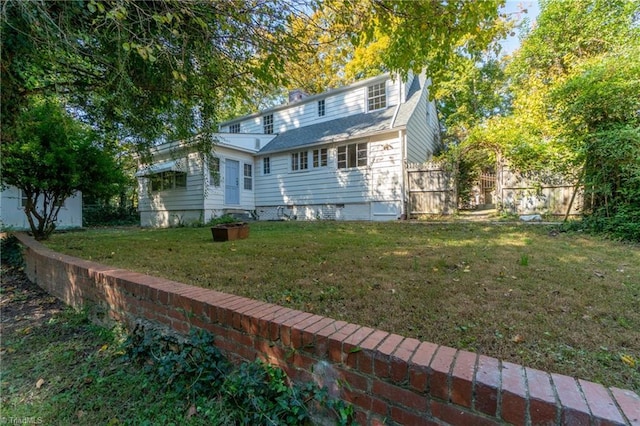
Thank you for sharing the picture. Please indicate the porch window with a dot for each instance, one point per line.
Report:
(267, 124)
(168, 180)
(320, 157)
(214, 171)
(248, 177)
(266, 166)
(377, 96)
(352, 155)
(299, 161)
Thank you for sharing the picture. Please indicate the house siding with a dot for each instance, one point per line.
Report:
(372, 192)
(422, 130)
(329, 192)
(12, 214)
(177, 206)
(214, 201)
(305, 113)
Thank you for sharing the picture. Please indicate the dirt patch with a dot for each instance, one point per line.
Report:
(23, 305)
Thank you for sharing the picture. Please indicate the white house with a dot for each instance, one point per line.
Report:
(338, 155)
(12, 215)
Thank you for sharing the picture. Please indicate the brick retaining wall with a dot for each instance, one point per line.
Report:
(388, 378)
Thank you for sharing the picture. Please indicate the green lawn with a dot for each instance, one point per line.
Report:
(562, 302)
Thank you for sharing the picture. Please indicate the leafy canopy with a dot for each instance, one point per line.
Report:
(141, 70)
(52, 158)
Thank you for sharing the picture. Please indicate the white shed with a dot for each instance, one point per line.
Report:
(12, 215)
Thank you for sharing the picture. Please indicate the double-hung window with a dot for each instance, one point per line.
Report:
(23, 199)
(266, 166)
(321, 108)
(320, 157)
(214, 171)
(299, 161)
(248, 177)
(352, 155)
(377, 96)
(267, 124)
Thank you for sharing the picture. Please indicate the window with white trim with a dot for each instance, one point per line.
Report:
(23, 199)
(248, 176)
(214, 171)
(321, 108)
(267, 124)
(168, 180)
(377, 96)
(320, 157)
(299, 160)
(352, 155)
(234, 128)
(266, 165)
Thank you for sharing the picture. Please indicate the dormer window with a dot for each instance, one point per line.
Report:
(234, 128)
(321, 108)
(377, 96)
(267, 124)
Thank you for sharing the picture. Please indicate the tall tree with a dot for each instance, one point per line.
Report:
(143, 70)
(566, 34)
(323, 51)
(53, 157)
(598, 110)
(413, 35)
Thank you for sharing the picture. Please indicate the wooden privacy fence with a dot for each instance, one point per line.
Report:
(431, 188)
(527, 193)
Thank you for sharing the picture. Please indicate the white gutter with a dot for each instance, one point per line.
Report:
(403, 148)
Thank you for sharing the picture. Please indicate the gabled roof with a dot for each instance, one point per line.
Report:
(349, 127)
(311, 98)
(413, 96)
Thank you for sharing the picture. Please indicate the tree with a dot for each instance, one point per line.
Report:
(52, 158)
(598, 110)
(141, 70)
(567, 34)
(344, 40)
(323, 51)
(411, 35)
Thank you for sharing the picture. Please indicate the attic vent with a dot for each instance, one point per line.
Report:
(296, 95)
(257, 143)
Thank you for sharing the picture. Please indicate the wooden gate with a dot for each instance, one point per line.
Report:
(431, 189)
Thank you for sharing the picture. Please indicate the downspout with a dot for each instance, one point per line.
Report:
(395, 114)
(400, 102)
(403, 149)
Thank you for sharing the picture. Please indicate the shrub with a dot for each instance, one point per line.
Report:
(252, 393)
(11, 252)
(109, 215)
(221, 219)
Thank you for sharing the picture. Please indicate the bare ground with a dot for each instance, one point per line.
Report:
(23, 305)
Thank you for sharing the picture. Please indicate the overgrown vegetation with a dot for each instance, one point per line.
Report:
(92, 376)
(109, 215)
(227, 218)
(572, 298)
(251, 393)
(11, 252)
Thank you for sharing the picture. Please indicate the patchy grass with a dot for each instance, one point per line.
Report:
(59, 368)
(562, 302)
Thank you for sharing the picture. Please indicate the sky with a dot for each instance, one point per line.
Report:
(515, 6)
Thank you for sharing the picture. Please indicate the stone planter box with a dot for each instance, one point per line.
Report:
(230, 231)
